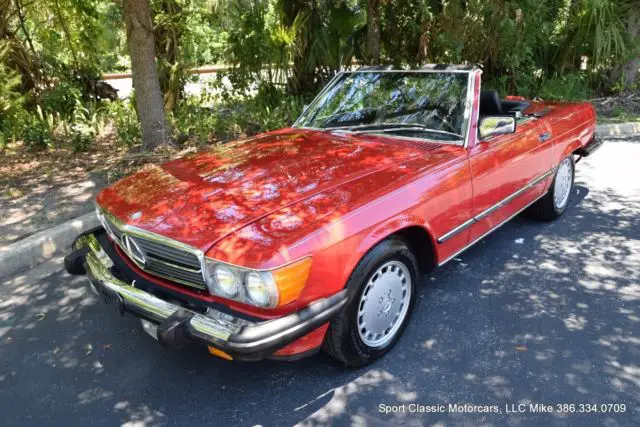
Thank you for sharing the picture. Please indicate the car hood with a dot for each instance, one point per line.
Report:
(201, 198)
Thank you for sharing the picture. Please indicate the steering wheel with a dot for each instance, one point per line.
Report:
(443, 122)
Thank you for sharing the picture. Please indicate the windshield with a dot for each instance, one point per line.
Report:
(415, 104)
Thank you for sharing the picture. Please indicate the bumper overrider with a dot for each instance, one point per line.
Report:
(179, 324)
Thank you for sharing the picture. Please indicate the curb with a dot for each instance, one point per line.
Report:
(618, 129)
(44, 245)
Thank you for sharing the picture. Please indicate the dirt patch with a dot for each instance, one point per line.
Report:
(42, 189)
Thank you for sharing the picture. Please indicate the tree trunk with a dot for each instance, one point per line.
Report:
(626, 73)
(149, 103)
(373, 31)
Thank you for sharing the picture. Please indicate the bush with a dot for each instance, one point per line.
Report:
(38, 132)
(11, 103)
(568, 87)
(267, 109)
(62, 98)
(125, 120)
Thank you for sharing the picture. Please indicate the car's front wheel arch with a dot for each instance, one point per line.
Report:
(418, 238)
(348, 339)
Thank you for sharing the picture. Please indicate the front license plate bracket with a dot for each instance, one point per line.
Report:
(109, 297)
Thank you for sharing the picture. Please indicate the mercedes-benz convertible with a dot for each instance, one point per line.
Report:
(317, 236)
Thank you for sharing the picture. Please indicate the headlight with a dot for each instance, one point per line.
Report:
(227, 281)
(261, 290)
(266, 289)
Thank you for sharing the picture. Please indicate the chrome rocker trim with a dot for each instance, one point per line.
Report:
(489, 232)
(495, 207)
(177, 325)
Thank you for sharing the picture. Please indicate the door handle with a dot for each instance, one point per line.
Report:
(544, 136)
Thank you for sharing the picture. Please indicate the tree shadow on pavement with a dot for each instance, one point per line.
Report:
(537, 312)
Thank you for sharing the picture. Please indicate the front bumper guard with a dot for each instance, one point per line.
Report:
(240, 338)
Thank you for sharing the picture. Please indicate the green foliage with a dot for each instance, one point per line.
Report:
(281, 52)
(11, 101)
(38, 132)
(63, 97)
(287, 43)
(594, 29)
(268, 108)
(124, 118)
(567, 87)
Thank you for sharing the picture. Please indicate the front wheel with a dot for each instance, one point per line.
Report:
(381, 298)
(555, 202)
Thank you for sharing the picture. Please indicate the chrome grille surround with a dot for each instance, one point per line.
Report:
(162, 257)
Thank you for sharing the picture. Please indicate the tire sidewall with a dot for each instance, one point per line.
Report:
(396, 251)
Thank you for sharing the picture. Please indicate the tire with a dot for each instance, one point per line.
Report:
(548, 208)
(348, 339)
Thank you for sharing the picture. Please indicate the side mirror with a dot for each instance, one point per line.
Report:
(496, 125)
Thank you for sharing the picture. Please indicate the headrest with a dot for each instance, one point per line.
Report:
(490, 104)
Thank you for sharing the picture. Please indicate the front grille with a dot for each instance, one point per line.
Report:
(168, 270)
(161, 259)
(113, 227)
(168, 253)
(170, 262)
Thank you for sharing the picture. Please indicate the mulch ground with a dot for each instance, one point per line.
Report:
(624, 107)
(40, 189)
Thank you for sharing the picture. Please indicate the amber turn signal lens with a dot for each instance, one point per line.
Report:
(291, 279)
(219, 353)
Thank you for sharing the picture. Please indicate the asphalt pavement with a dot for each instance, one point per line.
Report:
(536, 313)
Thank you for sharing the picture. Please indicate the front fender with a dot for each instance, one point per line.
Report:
(382, 231)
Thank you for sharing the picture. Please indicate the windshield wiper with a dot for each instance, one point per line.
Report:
(392, 127)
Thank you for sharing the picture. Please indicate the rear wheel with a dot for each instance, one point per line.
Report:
(381, 298)
(555, 202)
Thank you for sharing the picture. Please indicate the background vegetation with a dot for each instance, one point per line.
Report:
(280, 52)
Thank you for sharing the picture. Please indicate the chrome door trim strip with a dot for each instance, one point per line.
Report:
(495, 207)
(490, 231)
(456, 230)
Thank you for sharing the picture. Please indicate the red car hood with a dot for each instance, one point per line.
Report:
(203, 197)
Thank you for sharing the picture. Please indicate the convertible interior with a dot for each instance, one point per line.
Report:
(492, 105)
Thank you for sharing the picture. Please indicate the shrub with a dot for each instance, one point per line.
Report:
(568, 87)
(125, 120)
(38, 132)
(62, 98)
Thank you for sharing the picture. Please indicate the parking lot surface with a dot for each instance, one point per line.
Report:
(537, 312)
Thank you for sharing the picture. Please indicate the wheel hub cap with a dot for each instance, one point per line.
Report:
(562, 185)
(384, 304)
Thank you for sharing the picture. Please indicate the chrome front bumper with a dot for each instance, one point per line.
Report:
(240, 338)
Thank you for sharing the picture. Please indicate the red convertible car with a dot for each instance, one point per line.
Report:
(315, 236)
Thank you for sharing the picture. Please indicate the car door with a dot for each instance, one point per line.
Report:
(509, 172)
